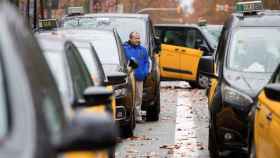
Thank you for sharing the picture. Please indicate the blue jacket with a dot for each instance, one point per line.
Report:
(140, 54)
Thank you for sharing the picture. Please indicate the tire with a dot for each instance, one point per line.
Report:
(153, 111)
(212, 145)
(252, 149)
(202, 82)
(111, 153)
(127, 130)
(193, 85)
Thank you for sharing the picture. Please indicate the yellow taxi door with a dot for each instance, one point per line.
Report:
(173, 41)
(267, 127)
(190, 56)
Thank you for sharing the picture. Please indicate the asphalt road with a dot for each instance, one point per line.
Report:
(180, 132)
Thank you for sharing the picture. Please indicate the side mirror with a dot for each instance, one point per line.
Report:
(87, 132)
(157, 47)
(199, 44)
(206, 66)
(133, 63)
(116, 78)
(94, 96)
(272, 91)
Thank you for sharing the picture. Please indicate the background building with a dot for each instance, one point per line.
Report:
(172, 11)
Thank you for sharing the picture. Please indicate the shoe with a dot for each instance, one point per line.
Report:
(140, 121)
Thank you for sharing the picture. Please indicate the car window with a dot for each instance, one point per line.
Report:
(80, 75)
(56, 63)
(175, 37)
(88, 59)
(255, 50)
(53, 115)
(192, 35)
(124, 25)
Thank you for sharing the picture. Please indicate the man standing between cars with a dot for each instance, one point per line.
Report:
(134, 50)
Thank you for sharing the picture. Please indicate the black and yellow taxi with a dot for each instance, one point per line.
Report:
(182, 46)
(108, 47)
(124, 24)
(74, 80)
(246, 57)
(33, 118)
(265, 141)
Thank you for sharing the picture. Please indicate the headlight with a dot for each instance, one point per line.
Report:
(120, 92)
(235, 97)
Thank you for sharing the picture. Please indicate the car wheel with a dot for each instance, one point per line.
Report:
(153, 111)
(127, 130)
(201, 82)
(111, 153)
(253, 149)
(212, 146)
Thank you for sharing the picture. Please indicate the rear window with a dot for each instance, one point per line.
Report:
(123, 25)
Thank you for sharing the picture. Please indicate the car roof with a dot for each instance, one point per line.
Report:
(176, 25)
(261, 19)
(119, 15)
(78, 31)
(54, 42)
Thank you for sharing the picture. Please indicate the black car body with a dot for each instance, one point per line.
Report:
(125, 24)
(33, 118)
(246, 56)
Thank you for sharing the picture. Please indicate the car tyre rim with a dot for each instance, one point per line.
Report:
(203, 81)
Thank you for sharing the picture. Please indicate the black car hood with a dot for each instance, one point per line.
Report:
(250, 83)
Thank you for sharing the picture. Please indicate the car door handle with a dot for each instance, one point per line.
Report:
(183, 50)
(176, 49)
(269, 116)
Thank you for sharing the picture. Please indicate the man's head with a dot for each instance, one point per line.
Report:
(134, 38)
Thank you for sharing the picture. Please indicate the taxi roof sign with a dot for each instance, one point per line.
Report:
(249, 7)
(202, 22)
(48, 24)
(75, 10)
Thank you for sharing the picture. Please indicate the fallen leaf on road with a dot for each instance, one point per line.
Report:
(170, 146)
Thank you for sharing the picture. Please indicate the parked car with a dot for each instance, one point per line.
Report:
(124, 24)
(264, 140)
(109, 49)
(245, 59)
(32, 117)
(74, 80)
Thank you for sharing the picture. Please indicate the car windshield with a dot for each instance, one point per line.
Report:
(56, 63)
(255, 50)
(123, 25)
(213, 40)
(215, 31)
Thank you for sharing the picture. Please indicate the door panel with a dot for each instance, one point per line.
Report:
(273, 127)
(189, 60)
(170, 61)
(191, 55)
(173, 41)
(261, 128)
